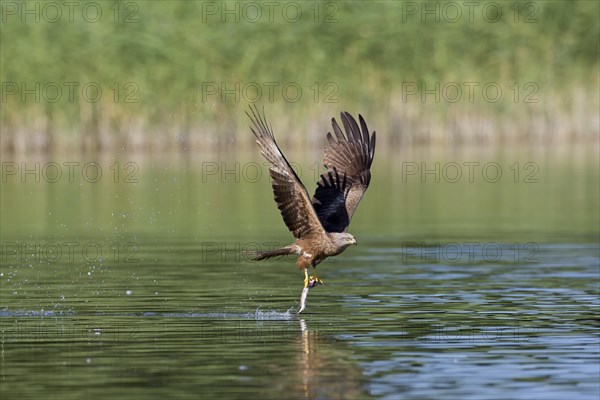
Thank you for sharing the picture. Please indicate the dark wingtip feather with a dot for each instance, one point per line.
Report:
(337, 130)
(260, 122)
(365, 130)
(351, 127)
(372, 148)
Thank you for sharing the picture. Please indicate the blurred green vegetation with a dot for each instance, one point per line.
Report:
(156, 61)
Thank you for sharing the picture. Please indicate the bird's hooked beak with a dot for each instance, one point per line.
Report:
(354, 242)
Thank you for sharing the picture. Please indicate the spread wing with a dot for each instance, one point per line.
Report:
(290, 194)
(348, 161)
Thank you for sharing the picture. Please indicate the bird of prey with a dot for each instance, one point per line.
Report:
(320, 225)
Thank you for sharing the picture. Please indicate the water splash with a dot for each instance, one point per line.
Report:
(36, 313)
(258, 315)
(261, 315)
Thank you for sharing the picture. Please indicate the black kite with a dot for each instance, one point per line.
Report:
(320, 225)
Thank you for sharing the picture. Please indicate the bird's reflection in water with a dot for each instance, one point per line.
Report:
(306, 359)
(325, 368)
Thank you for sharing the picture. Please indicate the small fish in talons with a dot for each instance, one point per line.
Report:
(309, 283)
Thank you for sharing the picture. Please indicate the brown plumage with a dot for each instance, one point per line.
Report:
(320, 226)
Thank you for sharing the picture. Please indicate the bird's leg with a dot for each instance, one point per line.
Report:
(305, 278)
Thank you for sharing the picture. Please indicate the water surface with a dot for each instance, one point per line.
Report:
(457, 289)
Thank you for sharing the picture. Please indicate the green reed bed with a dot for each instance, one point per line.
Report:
(178, 75)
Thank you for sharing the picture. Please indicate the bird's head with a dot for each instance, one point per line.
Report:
(343, 239)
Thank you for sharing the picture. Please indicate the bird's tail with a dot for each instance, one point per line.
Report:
(273, 253)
